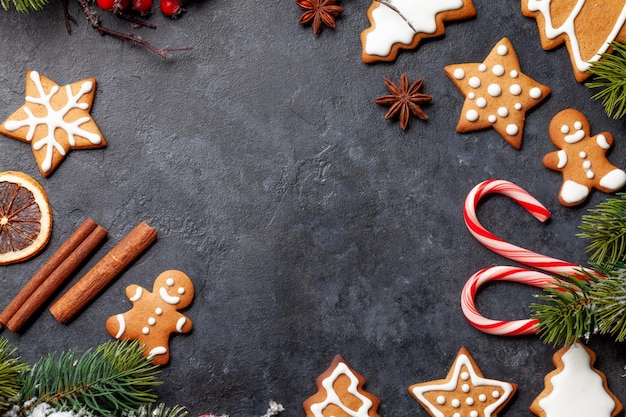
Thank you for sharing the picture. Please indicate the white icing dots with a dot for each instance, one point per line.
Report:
(158, 311)
(502, 50)
(481, 102)
(469, 401)
(498, 70)
(582, 154)
(151, 321)
(518, 106)
(482, 68)
(459, 74)
(441, 400)
(464, 376)
(514, 74)
(465, 388)
(512, 130)
(492, 118)
(578, 125)
(474, 413)
(471, 115)
(145, 330)
(482, 398)
(494, 90)
(503, 112)
(474, 82)
(169, 282)
(535, 93)
(455, 403)
(515, 89)
(181, 290)
(565, 129)
(456, 415)
(495, 394)
(471, 96)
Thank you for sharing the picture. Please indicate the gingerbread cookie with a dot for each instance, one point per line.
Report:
(575, 388)
(341, 394)
(402, 24)
(586, 27)
(497, 93)
(581, 159)
(464, 392)
(54, 120)
(154, 315)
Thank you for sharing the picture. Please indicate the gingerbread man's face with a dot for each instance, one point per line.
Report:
(174, 288)
(573, 126)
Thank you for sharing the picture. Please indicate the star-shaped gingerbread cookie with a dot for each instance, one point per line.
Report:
(497, 93)
(464, 392)
(55, 120)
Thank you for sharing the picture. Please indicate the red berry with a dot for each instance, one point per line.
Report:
(142, 6)
(113, 5)
(171, 8)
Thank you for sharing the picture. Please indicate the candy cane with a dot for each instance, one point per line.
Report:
(510, 251)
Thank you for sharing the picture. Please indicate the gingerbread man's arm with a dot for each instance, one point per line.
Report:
(134, 292)
(555, 160)
(604, 140)
(183, 324)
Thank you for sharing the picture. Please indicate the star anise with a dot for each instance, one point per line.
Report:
(404, 100)
(317, 12)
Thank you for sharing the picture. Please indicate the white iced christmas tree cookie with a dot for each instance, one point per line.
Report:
(575, 388)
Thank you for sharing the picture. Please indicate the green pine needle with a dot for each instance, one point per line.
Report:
(159, 411)
(605, 227)
(11, 368)
(566, 314)
(112, 379)
(23, 6)
(610, 78)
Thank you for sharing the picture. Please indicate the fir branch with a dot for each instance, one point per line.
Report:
(109, 380)
(608, 296)
(160, 410)
(11, 367)
(566, 314)
(23, 6)
(605, 227)
(610, 78)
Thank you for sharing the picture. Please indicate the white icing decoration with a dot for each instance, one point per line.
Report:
(158, 311)
(151, 321)
(503, 112)
(602, 142)
(476, 381)
(614, 179)
(471, 96)
(535, 93)
(180, 324)
(181, 290)
(512, 129)
(170, 299)
(137, 295)
(145, 330)
(562, 159)
(498, 70)
(578, 125)
(471, 115)
(122, 326)
(481, 102)
(590, 174)
(397, 21)
(514, 74)
(474, 82)
(482, 68)
(577, 391)
(465, 388)
(482, 398)
(494, 90)
(575, 137)
(495, 394)
(492, 118)
(441, 400)
(54, 119)
(518, 106)
(473, 413)
(565, 129)
(456, 415)
(159, 350)
(573, 192)
(587, 164)
(502, 50)
(582, 154)
(169, 282)
(569, 28)
(515, 89)
(456, 403)
(333, 398)
(469, 401)
(459, 74)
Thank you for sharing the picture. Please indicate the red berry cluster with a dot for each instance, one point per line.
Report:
(170, 8)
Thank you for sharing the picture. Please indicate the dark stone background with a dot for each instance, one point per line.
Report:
(309, 224)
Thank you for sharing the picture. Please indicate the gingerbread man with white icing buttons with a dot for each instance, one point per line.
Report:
(581, 159)
(154, 315)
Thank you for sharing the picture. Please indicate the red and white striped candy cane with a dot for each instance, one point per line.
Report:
(510, 251)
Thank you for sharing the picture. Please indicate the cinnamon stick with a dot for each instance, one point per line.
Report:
(55, 279)
(70, 245)
(98, 277)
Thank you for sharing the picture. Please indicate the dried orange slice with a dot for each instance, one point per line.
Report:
(25, 217)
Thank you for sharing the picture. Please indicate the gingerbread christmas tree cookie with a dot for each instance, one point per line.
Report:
(575, 388)
(464, 392)
(497, 93)
(341, 394)
(54, 120)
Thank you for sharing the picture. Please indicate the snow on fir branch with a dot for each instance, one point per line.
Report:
(610, 77)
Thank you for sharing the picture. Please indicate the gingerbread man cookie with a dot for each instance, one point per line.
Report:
(581, 159)
(154, 315)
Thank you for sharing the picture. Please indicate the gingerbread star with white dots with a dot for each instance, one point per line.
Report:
(464, 392)
(497, 93)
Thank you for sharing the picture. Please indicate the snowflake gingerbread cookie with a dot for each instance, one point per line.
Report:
(575, 388)
(154, 315)
(581, 158)
(341, 394)
(402, 24)
(464, 392)
(54, 120)
(586, 27)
